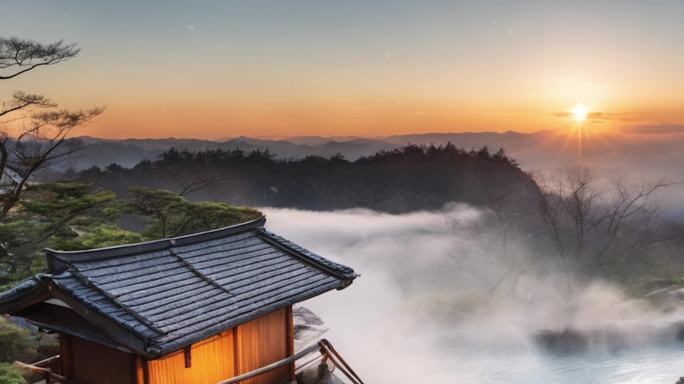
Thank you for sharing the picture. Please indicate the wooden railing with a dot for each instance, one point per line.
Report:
(324, 347)
(39, 368)
(327, 352)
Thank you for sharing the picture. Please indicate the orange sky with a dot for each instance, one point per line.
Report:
(324, 68)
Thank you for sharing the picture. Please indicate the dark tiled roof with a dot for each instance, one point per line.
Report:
(19, 290)
(21, 294)
(174, 292)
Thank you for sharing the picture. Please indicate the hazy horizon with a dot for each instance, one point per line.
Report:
(672, 131)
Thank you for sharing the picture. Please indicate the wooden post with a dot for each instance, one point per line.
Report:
(289, 321)
(236, 352)
(187, 355)
(134, 369)
(146, 371)
(65, 353)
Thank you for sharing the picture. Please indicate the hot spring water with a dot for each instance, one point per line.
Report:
(652, 365)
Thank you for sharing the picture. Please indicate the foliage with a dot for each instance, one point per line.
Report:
(99, 237)
(65, 215)
(10, 375)
(167, 214)
(16, 343)
(406, 179)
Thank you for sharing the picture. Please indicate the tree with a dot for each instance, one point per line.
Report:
(16, 343)
(19, 344)
(10, 375)
(161, 209)
(64, 215)
(34, 131)
(588, 219)
(167, 214)
(18, 56)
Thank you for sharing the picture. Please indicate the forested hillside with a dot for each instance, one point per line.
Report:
(401, 180)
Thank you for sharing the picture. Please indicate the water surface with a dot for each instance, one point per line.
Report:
(644, 366)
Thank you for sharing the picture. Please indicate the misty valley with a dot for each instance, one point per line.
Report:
(490, 273)
(426, 278)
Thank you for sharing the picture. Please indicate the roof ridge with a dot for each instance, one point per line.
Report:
(322, 263)
(153, 245)
(188, 265)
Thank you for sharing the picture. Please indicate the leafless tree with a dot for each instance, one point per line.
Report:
(34, 132)
(588, 218)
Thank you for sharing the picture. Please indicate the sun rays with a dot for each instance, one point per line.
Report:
(581, 131)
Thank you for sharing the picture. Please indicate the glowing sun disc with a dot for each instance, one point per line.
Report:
(580, 112)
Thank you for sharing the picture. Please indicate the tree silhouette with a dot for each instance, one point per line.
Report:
(34, 131)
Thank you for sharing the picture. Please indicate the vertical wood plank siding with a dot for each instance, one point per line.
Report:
(140, 370)
(263, 341)
(212, 361)
(248, 346)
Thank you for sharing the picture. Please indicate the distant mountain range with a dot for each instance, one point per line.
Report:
(655, 155)
(128, 152)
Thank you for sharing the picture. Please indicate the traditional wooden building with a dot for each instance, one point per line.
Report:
(193, 309)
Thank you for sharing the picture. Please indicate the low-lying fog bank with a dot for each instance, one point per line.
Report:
(438, 303)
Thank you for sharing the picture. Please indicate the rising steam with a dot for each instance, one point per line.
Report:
(437, 303)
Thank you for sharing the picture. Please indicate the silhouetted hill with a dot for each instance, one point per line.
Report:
(639, 154)
(128, 152)
(405, 179)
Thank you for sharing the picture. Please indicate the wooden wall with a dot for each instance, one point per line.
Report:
(252, 345)
(92, 363)
(211, 361)
(249, 346)
(263, 341)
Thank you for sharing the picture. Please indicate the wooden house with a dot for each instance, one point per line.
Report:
(200, 308)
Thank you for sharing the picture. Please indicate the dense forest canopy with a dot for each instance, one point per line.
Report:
(406, 179)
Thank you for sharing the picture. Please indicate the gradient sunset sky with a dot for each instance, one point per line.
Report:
(215, 69)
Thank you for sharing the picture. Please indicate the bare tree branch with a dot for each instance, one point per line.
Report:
(36, 147)
(39, 136)
(18, 56)
(590, 220)
(22, 101)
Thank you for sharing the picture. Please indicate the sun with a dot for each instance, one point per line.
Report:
(580, 112)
